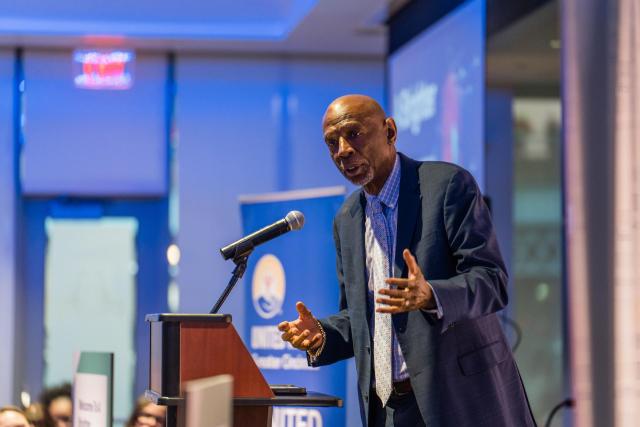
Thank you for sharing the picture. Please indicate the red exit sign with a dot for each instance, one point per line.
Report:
(103, 69)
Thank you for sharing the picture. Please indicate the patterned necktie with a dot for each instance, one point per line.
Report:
(382, 322)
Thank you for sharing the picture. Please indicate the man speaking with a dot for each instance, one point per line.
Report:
(421, 279)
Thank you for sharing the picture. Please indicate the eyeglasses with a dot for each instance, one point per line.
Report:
(146, 418)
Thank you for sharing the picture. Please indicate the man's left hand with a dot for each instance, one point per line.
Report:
(412, 293)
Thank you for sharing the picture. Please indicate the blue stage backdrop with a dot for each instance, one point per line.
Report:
(298, 266)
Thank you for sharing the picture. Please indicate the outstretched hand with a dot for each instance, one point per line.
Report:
(412, 293)
(303, 333)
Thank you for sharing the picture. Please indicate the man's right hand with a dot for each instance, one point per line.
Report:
(303, 333)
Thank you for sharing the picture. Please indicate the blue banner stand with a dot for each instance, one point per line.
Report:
(298, 266)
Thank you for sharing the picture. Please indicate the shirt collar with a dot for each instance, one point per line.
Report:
(391, 188)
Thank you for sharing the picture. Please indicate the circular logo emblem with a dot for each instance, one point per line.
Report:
(268, 286)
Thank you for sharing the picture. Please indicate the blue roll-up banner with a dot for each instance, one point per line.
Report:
(298, 266)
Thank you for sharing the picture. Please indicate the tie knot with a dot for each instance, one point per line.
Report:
(376, 205)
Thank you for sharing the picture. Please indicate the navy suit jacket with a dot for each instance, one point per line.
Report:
(460, 366)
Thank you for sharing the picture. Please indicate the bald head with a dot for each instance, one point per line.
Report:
(361, 140)
(348, 106)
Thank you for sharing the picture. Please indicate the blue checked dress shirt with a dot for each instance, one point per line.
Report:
(388, 198)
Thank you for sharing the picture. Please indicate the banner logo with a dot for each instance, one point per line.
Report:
(268, 287)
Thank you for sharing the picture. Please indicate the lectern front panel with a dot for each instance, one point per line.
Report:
(212, 349)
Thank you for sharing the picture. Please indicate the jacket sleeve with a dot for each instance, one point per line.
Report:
(337, 328)
(480, 284)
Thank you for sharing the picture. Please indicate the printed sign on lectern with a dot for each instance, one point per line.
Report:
(93, 390)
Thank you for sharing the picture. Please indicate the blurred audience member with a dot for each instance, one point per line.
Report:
(11, 416)
(57, 406)
(34, 414)
(147, 414)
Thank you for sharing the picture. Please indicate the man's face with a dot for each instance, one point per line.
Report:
(358, 138)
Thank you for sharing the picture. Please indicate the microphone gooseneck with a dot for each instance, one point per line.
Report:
(241, 249)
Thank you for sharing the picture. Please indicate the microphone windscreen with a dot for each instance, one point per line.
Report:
(295, 219)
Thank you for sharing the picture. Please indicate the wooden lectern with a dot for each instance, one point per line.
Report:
(186, 347)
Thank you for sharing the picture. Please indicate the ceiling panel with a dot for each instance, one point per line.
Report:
(220, 19)
(344, 27)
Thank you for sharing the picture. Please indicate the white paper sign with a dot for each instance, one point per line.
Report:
(90, 404)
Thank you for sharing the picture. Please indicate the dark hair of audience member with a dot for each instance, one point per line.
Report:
(48, 396)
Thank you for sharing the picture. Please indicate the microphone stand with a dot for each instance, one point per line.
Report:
(240, 259)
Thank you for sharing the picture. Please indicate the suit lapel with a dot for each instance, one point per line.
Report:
(358, 282)
(408, 208)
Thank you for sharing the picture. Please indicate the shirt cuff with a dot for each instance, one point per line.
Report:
(435, 311)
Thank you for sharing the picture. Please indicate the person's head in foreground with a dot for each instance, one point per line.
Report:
(11, 416)
(57, 406)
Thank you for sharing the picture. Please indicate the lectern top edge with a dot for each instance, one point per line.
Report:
(183, 317)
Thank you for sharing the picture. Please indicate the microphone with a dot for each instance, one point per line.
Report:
(293, 221)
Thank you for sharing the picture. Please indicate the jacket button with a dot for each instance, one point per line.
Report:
(451, 325)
